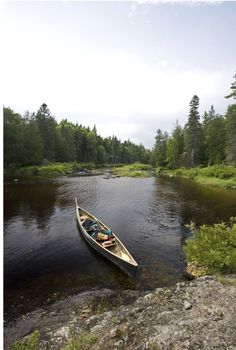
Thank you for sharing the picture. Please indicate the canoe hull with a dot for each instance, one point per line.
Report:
(128, 267)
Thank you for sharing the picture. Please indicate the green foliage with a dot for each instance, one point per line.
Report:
(212, 249)
(13, 137)
(233, 88)
(31, 342)
(82, 342)
(153, 346)
(134, 170)
(216, 175)
(231, 134)
(39, 139)
(215, 138)
(193, 135)
(219, 171)
(160, 148)
(52, 169)
(47, 127)
(32, 144)
(212, 141)
(175, 148)
(227, 280)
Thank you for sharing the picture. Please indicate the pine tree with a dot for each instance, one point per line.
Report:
(231, 134)
(193, 135)
(233, 87)
(47, 128)
(13, 137)
(175, 147)
(32, 143)
(160, 148)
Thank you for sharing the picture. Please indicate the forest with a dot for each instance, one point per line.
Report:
(203, 141)
(37, 138)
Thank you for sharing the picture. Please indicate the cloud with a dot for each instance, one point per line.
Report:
(181, 2)
(118, 92)
(132, 10)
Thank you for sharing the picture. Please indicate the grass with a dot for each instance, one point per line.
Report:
(30, 342)
(223, 176)
(134, 170)
(52, 169)
(82, 342)
(212, 249)
(230, 281)
(105, 304)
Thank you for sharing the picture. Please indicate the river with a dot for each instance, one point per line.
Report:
(46, 259)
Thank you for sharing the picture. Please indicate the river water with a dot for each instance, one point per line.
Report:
(45, 257)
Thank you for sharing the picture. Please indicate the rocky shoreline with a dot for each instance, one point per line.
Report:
(197, 314)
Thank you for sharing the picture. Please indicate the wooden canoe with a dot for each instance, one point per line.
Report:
(110, 246)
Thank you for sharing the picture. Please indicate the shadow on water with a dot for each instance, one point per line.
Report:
(30, 199)
(46, 258)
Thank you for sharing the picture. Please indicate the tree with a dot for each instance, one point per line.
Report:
(159, 152)
(13, 137)
(32, 143)
(67, 132)
(233, 87)
(101, 154)
(35, 138)
(209, 116)
(47, 128)
(175, 147)
(231, 134)
(193, 135)
(215, 138)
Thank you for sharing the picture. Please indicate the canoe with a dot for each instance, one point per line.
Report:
(104, 241)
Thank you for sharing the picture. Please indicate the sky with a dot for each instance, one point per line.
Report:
(127, 67)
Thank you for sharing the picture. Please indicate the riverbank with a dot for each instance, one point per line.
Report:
(80, 169)
(222, 176)
(51, 169)
(134, 170)
(197, 314)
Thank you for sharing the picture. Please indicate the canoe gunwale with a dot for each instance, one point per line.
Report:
(116, 259)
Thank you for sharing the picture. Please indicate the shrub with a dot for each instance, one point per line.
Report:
(30, 342)
(134, 170)
(82, 342)
(212, 249)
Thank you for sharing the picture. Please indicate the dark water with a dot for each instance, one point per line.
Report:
(45, 257)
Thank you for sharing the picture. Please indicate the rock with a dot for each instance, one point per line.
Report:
(158, 320)
(187, 305)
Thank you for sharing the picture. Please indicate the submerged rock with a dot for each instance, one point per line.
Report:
(200, 314)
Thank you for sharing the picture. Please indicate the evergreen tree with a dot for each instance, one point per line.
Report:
(193, 135)
(61, 147)
(101, 155)
(175, 147)
(13, 137)
(231, 134)
(47, 128)
(208, 117)
(32, 143)
(233, 88)
(67, 131)
(215, 140)
(160, 148)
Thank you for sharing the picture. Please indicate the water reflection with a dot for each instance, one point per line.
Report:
(199, 203)
(31, 199)
(45, 256)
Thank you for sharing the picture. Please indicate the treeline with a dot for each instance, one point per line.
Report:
(202, 141)
(37, 138)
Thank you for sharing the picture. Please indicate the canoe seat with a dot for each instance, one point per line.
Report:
(83, 218)
(109, 243)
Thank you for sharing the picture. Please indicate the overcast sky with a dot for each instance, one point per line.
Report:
(128, 67)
